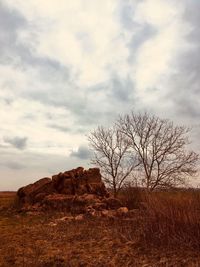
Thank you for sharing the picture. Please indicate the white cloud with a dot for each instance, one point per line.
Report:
(85, 35)
(157, 12)
(160, 49)
(156, 57)
(30, 118)
(70, 63)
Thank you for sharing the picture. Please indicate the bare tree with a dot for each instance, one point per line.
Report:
(111, 152)
(161, 149)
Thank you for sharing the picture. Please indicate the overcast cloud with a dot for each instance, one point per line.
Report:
(67, 67)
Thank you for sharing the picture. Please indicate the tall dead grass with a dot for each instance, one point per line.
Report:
(172, 218)
(166, 218)
(131, 197)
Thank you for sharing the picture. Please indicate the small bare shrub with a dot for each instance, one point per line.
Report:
(131, 197)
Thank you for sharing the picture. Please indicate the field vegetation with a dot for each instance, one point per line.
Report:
(163, 230)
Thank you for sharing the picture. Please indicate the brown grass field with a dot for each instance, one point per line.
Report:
(164, 231)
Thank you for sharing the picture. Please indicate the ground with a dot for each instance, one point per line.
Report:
(35, 240)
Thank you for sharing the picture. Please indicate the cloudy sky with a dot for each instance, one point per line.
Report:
(67, 66)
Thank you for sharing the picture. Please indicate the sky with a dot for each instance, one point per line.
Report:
(68, 66)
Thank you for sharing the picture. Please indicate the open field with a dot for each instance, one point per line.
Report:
(6, 198)
(164, 233)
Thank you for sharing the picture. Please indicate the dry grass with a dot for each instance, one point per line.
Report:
(34, 241)
(147, 239)
(7, 199)
(172, 219)
(131, 197)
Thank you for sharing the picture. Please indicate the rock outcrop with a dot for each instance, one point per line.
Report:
(77, 191)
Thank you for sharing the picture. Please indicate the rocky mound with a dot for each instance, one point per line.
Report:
(77, 191)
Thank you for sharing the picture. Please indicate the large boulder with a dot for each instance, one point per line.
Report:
(74, 182)
(36, 192)
(58, 202)
(77, 191)
(79, 181)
